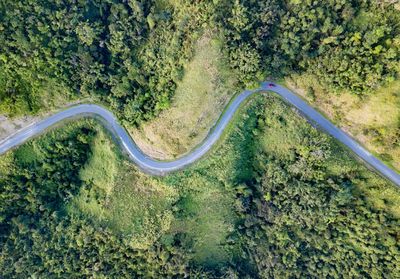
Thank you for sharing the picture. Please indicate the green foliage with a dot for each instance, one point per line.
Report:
(308, 214)
(43, 185)
(276, 199)
(348, 45)
(131, 55)
(39, 238)
(247, 26)
(125, 54)
(69, 247)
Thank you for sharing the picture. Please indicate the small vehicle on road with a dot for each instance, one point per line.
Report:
(271, 85)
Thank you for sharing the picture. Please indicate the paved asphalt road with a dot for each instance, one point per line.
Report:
(155, 167)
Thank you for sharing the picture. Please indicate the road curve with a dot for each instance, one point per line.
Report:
(155, 167)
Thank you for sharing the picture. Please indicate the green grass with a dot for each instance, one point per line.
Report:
(197, 205)
(373, 120)
(140, 206)
(102, 166)
(137, 208)
(123, 199)
(205, 216)
(206, 213)
(206, 87)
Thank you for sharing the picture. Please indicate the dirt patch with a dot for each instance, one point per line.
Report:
(9, 126)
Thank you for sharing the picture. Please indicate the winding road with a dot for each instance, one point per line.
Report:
(155, 167)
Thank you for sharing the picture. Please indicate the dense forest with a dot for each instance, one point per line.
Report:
(38, 239)
(305, 217)
(130, 54)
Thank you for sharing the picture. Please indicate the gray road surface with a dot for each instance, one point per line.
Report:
(155, 167)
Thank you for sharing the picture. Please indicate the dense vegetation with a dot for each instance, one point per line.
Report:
(130, 55)
(276, 199)
(352, 45)
(305, 214)
(39, 239)
(126, 54)
(360, 52)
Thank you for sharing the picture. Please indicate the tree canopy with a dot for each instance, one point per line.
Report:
(130, 55)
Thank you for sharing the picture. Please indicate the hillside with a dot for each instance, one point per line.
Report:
(274, 198)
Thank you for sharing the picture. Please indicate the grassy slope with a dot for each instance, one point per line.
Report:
(132, 204)
(205, 89)
(373, 120)
(198, 203)
(206, 211)
(281, 138)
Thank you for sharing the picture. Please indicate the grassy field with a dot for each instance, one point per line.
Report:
(373, 120)
(201, 95)
(196, 206)
(123, 199)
